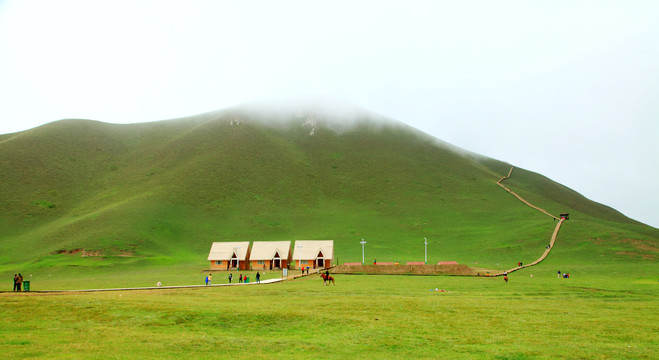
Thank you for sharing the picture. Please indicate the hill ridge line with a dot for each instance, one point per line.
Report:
(553, 236)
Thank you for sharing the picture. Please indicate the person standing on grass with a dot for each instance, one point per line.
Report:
(210, 279)
(559, 274)
(240, 279)
(20, 281)
(258, 278)
(206, 280)
(230, 276)
(15, 281)
(505, 277)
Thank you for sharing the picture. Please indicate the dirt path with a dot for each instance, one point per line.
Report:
(268, 281)
(521, 198)
(553, 236)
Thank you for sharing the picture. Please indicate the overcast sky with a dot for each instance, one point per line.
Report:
(568, 89)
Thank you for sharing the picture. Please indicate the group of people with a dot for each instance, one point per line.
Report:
(18, 281)
(241, 278)
(565, 275)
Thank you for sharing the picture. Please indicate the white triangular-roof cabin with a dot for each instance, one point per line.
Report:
(229, 255)
(313, 253)
(270, 254)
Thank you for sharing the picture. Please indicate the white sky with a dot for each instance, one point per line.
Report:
(569, 89)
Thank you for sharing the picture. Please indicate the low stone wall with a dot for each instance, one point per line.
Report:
(454, 269)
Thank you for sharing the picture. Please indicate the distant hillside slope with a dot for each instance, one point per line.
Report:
(160, 193)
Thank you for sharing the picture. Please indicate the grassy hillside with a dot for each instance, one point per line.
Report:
(157, 194)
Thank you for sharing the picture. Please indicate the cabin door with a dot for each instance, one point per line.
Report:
(276, 261)
(320, 260)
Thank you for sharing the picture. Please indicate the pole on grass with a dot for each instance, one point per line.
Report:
(363, 243)
(299, 258)
(237, 257)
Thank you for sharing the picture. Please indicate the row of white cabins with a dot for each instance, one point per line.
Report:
(269, 255)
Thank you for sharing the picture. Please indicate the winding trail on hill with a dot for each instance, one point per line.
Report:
(553, 236)
(521, 198)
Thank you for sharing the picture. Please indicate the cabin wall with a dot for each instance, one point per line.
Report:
(221, 266)
(256, 266)
(244, 265)
(305, 263)
(312, 264)
(265, 265)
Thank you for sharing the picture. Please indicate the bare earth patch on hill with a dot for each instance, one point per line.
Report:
(642, 245)
(641, 248)
(92, 253)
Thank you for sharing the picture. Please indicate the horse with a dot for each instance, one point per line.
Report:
(327, 278)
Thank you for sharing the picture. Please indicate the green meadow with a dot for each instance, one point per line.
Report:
(589, 316)
(88, 205)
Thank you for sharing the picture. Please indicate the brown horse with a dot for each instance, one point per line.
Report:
(327, 278)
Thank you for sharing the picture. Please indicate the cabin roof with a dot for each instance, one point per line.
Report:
(225, 250)
(266, 250)
(310, 249)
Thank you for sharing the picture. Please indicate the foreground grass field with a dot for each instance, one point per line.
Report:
(367, 317)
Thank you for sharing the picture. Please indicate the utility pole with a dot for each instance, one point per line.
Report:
(299, 258)
(363, 243)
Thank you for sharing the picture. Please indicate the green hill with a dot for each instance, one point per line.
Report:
(158, 194)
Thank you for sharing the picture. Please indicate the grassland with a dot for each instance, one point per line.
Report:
(593, 315)
(144, 202)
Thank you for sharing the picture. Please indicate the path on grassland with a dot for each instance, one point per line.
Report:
(553, 236)
(268, 281)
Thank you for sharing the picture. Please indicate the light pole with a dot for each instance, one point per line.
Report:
(425, 245)
(299, 258)
(363, 243)
(237, 257)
